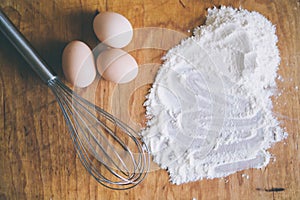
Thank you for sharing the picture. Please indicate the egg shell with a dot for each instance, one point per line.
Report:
(78, 64)
(117, 65)
(113, 29)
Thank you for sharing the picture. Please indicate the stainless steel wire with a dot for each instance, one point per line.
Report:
(111, 151)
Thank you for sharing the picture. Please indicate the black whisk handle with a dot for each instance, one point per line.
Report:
(24, 48)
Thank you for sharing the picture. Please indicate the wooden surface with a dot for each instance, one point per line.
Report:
(37, 158)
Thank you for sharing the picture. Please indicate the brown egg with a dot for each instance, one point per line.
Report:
(113, 29)
(78, 64)
(117, 65)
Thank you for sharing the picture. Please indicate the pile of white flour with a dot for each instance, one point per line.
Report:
(209, 109)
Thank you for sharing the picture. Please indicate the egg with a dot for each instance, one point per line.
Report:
(113, 29)
(78, 64)
(117, 66)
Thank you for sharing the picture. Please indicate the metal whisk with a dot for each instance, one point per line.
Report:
(110, 150)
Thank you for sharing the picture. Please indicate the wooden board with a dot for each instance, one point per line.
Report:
(37, 158)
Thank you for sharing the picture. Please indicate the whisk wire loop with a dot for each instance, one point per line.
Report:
(100, 147)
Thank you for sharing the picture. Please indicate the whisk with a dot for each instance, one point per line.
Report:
(112, 152)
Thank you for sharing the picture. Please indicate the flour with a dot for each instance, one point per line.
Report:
(209, 110)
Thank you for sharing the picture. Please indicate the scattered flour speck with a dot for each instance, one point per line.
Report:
(246, 176)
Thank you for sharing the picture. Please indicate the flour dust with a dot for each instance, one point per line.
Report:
(210, 110)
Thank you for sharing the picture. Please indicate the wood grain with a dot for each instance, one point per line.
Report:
(37, 158)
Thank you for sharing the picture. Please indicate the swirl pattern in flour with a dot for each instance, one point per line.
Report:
(209, 109)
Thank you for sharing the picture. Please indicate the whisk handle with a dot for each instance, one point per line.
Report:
(24, 48)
